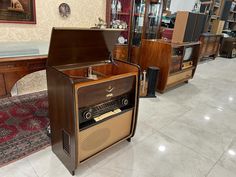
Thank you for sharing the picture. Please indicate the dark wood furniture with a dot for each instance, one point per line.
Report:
(144, 21)
(147, 17)
(121, 51)
(228, 47)
(177, 62)
(77, 136)
(13, 69)
(210, 44)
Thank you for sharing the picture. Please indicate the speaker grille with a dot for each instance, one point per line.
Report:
(66, 141)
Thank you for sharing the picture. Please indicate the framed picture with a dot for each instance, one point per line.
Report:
(17, 11)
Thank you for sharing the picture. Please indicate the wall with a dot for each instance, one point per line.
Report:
(84, 13)
(178, 5)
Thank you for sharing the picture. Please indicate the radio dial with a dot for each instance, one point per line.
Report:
(125, 101)
(87, 115)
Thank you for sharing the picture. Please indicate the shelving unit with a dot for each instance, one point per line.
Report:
(124, 14)
(213, 9)
(147, 20)
(231, 20)
(228, 47)
(143, 18)
(210, 39)
(153, 19)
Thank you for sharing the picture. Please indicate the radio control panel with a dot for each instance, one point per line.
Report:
(88, 113)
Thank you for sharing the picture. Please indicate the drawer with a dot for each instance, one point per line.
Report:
(12, 66)
(179, 77)
(97, 93)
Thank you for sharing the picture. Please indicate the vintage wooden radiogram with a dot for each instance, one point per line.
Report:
(93, 99)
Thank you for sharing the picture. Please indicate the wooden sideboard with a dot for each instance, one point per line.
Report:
(177, 62)
(228, 47)
(13, 69)
(210, 44)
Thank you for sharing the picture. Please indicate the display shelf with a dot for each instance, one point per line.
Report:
(120, 11)
(143, 18)
(231, 21)
(139, 14)
(215, 17)
(213, 10)
(230, 16)
(206, 2)
(123, 13)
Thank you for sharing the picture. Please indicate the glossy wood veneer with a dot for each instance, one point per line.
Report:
(160, 54)
(13, 69)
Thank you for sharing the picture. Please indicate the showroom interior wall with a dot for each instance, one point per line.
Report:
(84, 13)
(178, 5)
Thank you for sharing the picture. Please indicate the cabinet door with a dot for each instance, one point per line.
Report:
(2, 86)
(153, 17)
(138, 22)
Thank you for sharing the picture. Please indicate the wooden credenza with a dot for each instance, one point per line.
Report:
(13, 69)
(228, 47)
(177, 62)
(210, 44)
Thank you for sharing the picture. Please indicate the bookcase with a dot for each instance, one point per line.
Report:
(229, 13)
(213, 10)
(210, 40)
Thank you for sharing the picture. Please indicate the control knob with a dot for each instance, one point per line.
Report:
(87, 114)
(125, 101)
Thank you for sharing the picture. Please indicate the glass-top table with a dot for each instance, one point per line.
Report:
(23, 49)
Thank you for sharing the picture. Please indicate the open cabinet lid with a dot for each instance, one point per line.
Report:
(76, 46)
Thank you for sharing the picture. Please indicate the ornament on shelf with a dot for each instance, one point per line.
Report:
(197, 6)
(119, 24)
(101, 24)
(119, 6)
(114, 6)
(122, 40)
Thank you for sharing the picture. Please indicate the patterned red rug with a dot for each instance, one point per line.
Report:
(23, 123)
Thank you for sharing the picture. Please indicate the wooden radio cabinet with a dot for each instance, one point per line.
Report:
(210, 44)
(93, 99)
(177, 62)
(228, 47)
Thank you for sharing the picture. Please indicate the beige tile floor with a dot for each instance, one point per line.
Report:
(189, 131)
